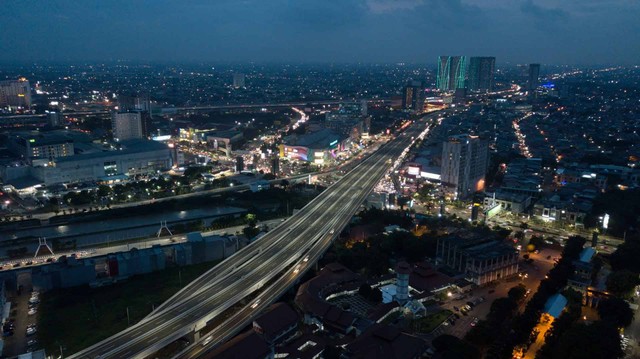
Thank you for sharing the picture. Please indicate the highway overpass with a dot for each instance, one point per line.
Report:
(267, 267)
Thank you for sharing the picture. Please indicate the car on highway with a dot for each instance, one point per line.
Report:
(256, 303)
(306, 259)
(207, 340)
(296, 270)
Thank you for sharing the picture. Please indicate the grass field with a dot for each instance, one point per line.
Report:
(79, 317)
(430, 322)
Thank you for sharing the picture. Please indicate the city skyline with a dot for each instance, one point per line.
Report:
(342, 32)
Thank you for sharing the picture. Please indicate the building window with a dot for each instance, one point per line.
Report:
(110, 168)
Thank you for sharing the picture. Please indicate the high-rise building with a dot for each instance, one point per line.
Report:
(534, 76)
(238, 80)
(129, 125)
(239, 164)
(413, 96)
(55, 118)
(452, 72)
(134, 102)
(275, 165)
(464, 164)
(15, 93)
(481, 72)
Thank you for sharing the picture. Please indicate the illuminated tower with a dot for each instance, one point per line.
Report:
(452, 72)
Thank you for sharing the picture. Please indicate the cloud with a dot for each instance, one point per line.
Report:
(544, 14)
(384, 6)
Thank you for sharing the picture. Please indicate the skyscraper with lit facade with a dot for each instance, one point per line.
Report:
(452, 73)
(413, 96)
(481, 72)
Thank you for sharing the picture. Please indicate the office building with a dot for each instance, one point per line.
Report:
(413, 96)
(464, 164)
(452, 72)
(129, 125)
(33, 145)
(534, 76)
(15, 93)
(349, 119)
(238, 80)
(481, 72)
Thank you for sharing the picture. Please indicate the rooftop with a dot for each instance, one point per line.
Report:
(248, 345)
(319, 139)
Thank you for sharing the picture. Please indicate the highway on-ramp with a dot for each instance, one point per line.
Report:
(306, 235)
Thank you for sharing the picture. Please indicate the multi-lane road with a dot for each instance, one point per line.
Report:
(266, 268)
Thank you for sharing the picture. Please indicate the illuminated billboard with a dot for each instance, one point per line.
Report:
(296, 153)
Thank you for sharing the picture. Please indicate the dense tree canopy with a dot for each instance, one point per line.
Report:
(616, 311)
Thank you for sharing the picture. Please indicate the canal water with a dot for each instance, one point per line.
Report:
(117, 229)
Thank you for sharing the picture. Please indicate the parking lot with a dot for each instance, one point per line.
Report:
(20, 331)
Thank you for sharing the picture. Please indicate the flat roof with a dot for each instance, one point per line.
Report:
(128, 147)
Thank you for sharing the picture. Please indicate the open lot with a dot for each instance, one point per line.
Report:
(75, 318)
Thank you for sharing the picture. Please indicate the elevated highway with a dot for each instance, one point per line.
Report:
(265, 269)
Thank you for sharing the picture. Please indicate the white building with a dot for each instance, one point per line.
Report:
(128, 125)
(238, 80)
(464, 164)
(135, 157)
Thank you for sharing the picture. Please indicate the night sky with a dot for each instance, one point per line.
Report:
(582, 32)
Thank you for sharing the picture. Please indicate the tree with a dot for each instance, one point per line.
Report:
(269, 177)
(501, 310)
(621, 283)
(585, 341)
(626, 256)
(517, 293)
(450, 347)
(251, 219)
(616, 311)
(250, 231)
(104, 191)
(537, 241)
